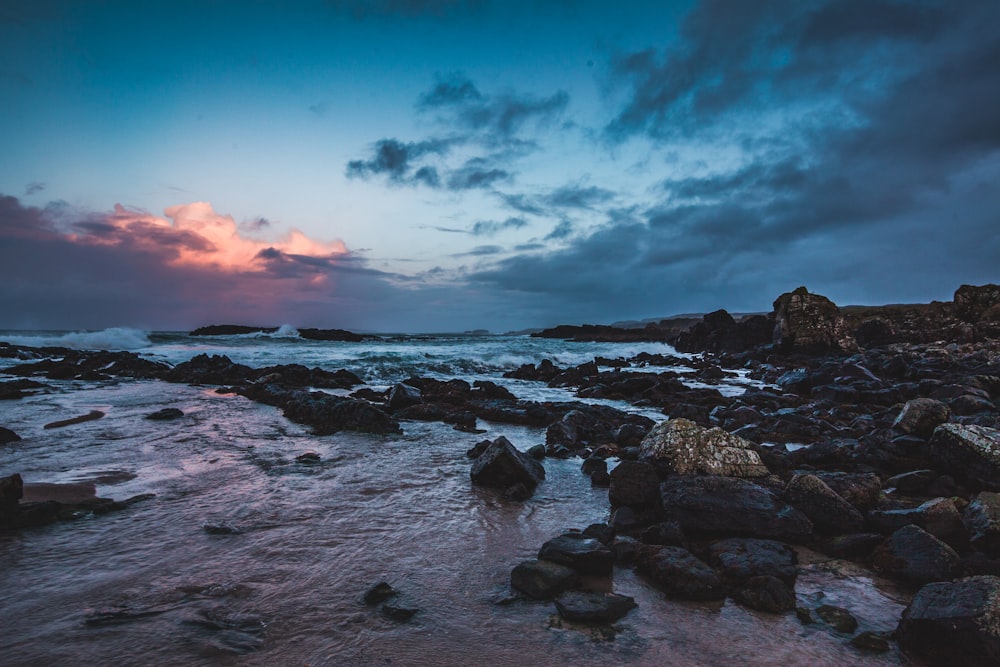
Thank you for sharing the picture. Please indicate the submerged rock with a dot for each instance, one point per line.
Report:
(380, 592)
(542, 579)
(687, 448)
(767, 593)
(593, 607)
(837, 618)
(165, 414)
(90, 416)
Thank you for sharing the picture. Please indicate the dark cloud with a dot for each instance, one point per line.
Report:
(395, 159)
(490, 227)
(561, 231)
(455, 89)
(255, 225)
(33, 188)
(481, 251)
(320, 108)
(474, 175)
(576, 196)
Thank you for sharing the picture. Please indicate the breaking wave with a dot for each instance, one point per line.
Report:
(116, 338)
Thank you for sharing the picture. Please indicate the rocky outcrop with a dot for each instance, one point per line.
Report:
(971, 453)
(975, 303)
(809, 322)
(325, 413)
(954, 623)
(502, 466)
(686, 448)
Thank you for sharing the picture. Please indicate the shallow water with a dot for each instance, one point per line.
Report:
(149, 585)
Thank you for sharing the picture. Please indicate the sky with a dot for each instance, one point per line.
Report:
(440, 165)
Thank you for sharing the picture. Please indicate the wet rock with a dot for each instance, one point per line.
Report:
(398, 613)
(968, 404)
(872, 642)
(601, 479)
(584, 554)
(809, 322)
(517, 492)
(678, 572)
(220, 529)
(477, 450)
(915, 481)
(920, 416)
(738, 559)
(536, 452)
(954, 623)
(731, 507)
(594, 464)
(487, 389)
(913, 554)
(378, 593)
(8, 436)
(971, 453)
(11, 492)
(767, 593)
(165, 414)
(592, 607)
(90, 416)
(686, 448)
(828, 512)
(215, 369)
(982, 520)
(938, 516)
(403, 396)
(863, 490)
(667, 533)
(542, 579)
(601, 532)
(635, 484)
(837, 618)
(308, 458)
(325, 413)
(501, 465)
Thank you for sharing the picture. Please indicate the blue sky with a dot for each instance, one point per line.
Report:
(420, 165)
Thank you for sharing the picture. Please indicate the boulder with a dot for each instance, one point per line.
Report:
(973, 301)
(971, 453)
(593, 607)
(913, 554)
(635, 484)
(501, 465)
(325, 413)
(863, 490)
(678, 572)
(584, 554)
(7, 435)
(165, 414)
(542, 579)
(938, 516)
(11, 492)
(809, 322)
(828, 512)
(687, 449)
(738, 559)
(982, 520)
(920, 416)
(767, 593)
(837, 618)
(915, 481)
(954, 623)
(403, 396)
(730, 507)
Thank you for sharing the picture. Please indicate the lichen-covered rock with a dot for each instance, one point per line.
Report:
(678, 572)
(502, 466)
(688, 449)
(920, 416)
(982, 520)
(731, 507)
(634, 484)
(915, 555)
(804, 321)
(954, 623)
(542, 579)
(828, 512)
(971, 453)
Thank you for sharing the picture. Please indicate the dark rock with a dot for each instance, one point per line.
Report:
(939, 517)
(378, 593)
(542, 579)
(915, 555)
(968, 404)
(635, 484)
(837, 618)
(678, 572)
(738, 559)
(11, 492)
(601, 532)
(828, 512)
(592, 607)
(982, 520)
(536, 452)
(165, 414)
(856, 546)
(221, 529)
(873, 642)
(668, 533)
(972, 302)
(477, 450)
(686, 448)
(7, 436)
(398, 613)
(861, 489)
(331, 335)
(915, 481)
(501, 465)
(230, 330)
(626, 550)
(920, 416)
(403, 396)
(517, 492)
(594, 464)
(601, 479)
(624, 519)
(584, 554)
(731, 507)
(971, 453)
(90, 416)
(308, 458)
(809, 322)
(325, 413)
(954, 623)
(215, 369)
(767, 593)
(487, 389)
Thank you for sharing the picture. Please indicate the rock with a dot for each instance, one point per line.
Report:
(938, 516)
(982, 520)
(584, 554)
(594, 464)
(678, 572)
(767, 593)
(477, 450)
(220, 529)
(738, 559)
(380, 592)
(325, 413)
(536, 452)
(398, 613)
(592, 607)
(601, 479)
(501, 465)
(809, 322)
(90, 416)
(920, 416)
(666, 533)
(915, 481)
(837, 618)
(165, 414)
(873, 642)
(7, 436)
(915, 555)
(517, 492)
(731, 507)
(542, 579)
(635, 484)
(308, 458)
(403, 396)
(954, 623)
(11, 492)
(971, 453)
(687, 448)
(858, 545)
(601, 532)
(828, 512)
(968, 404)
(863, 490)
(972, 302)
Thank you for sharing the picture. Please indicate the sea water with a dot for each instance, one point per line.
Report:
(246, 556)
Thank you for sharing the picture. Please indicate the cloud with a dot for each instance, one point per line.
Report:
(395, 159)
(33, 188)
(481, 251)
(476, 174)
(363, 9)
(491, 227)
(578, 196)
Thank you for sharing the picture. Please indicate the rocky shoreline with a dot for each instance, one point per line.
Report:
(874, 439)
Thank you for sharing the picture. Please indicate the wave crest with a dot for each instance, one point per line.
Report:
(115, 338)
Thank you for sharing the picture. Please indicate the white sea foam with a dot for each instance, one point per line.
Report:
(117, 338)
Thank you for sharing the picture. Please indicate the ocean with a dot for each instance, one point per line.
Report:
(248, 556)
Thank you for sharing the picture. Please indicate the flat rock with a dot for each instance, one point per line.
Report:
(542, 579)
(583, 554)
(937, 516)
(687, 448)
(593, 607)
(165, 414)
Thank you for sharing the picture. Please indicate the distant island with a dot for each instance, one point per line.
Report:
(308, 334)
